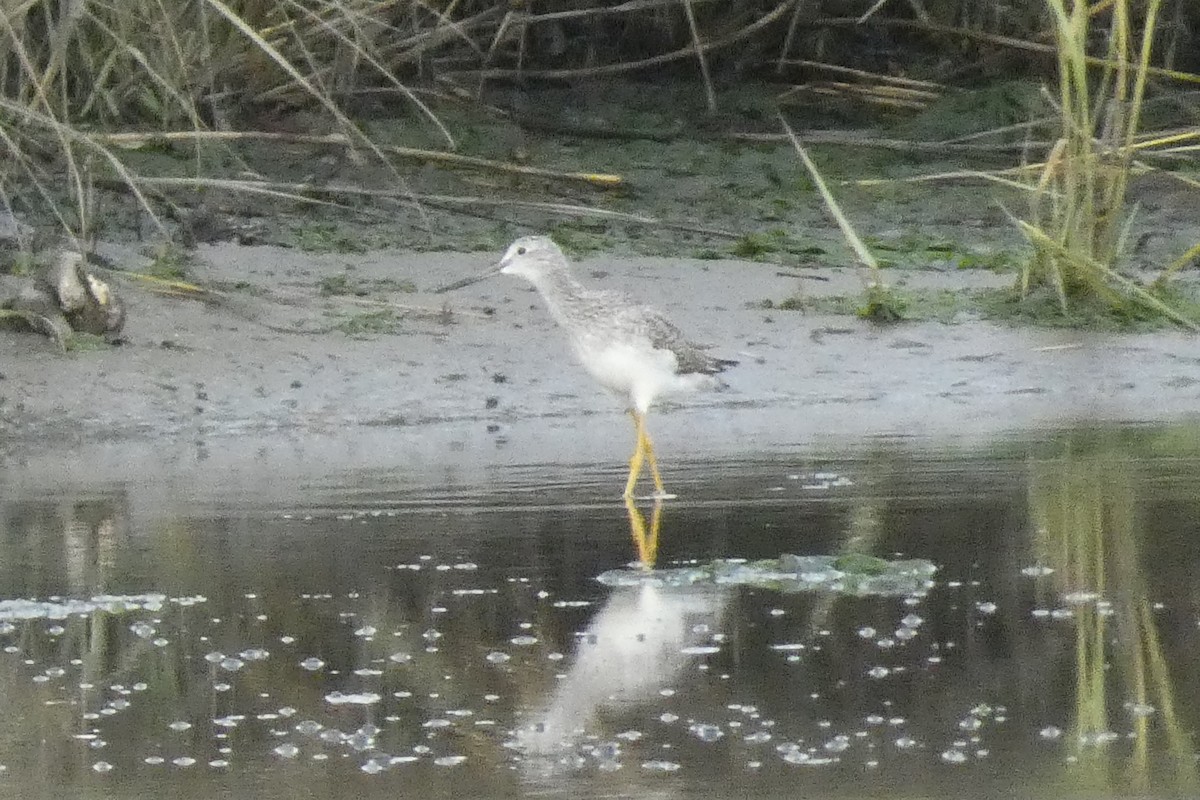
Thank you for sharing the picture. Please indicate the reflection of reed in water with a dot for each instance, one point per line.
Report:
(1085, 507)
(66, 547)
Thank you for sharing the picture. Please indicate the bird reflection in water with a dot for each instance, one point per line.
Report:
(642, 639)
(644, 540)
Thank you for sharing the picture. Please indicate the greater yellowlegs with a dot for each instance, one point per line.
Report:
(632, 350)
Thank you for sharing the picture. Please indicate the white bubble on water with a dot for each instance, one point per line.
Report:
(1140, 709)
(954, 756)
(286, 750)
(700, 650)
(838, 744)
(706, 732)
(794, 755)
(142, 630)
(357, 699)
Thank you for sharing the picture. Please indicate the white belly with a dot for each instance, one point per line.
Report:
(638, 375)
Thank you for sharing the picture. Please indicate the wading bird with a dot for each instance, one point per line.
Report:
(632, 350)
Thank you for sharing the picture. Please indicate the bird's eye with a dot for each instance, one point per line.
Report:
(520, 251)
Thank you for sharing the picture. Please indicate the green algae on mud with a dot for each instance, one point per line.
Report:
(1003, 305)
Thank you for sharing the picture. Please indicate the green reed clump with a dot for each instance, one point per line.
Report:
(1078, 220)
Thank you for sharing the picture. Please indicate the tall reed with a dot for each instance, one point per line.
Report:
(1078, 219)
(69, 69)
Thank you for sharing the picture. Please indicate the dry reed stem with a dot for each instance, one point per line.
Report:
(602, 180)
(854, 139)
(793, 26)
(381, 70)
(890, 97)
(412, 48)
(319, 96)
(1003, 41)
(167, 285)
(69, 137)
(831, 204)
(709, 93)
(631, 66)
(1018, 127)
(309, 193)
(878, 77)
(600, 11)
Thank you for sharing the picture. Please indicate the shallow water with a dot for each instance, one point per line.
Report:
(375, 641)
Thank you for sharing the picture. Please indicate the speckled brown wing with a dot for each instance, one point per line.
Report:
(690, 357)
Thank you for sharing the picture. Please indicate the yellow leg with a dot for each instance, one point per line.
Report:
(645, 541)
(643, 453)
(635, 461)
(649, 446)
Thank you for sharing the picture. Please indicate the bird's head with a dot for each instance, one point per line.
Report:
(530, 257)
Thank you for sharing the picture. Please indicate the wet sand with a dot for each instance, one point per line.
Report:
(479, 380)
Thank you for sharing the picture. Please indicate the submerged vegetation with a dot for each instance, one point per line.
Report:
(165, 119)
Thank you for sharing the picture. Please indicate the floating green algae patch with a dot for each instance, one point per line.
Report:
(857, 575)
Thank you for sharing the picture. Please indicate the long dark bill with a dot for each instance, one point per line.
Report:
(450, 287)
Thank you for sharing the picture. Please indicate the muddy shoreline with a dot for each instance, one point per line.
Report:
(322, 338)
(480, 380)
